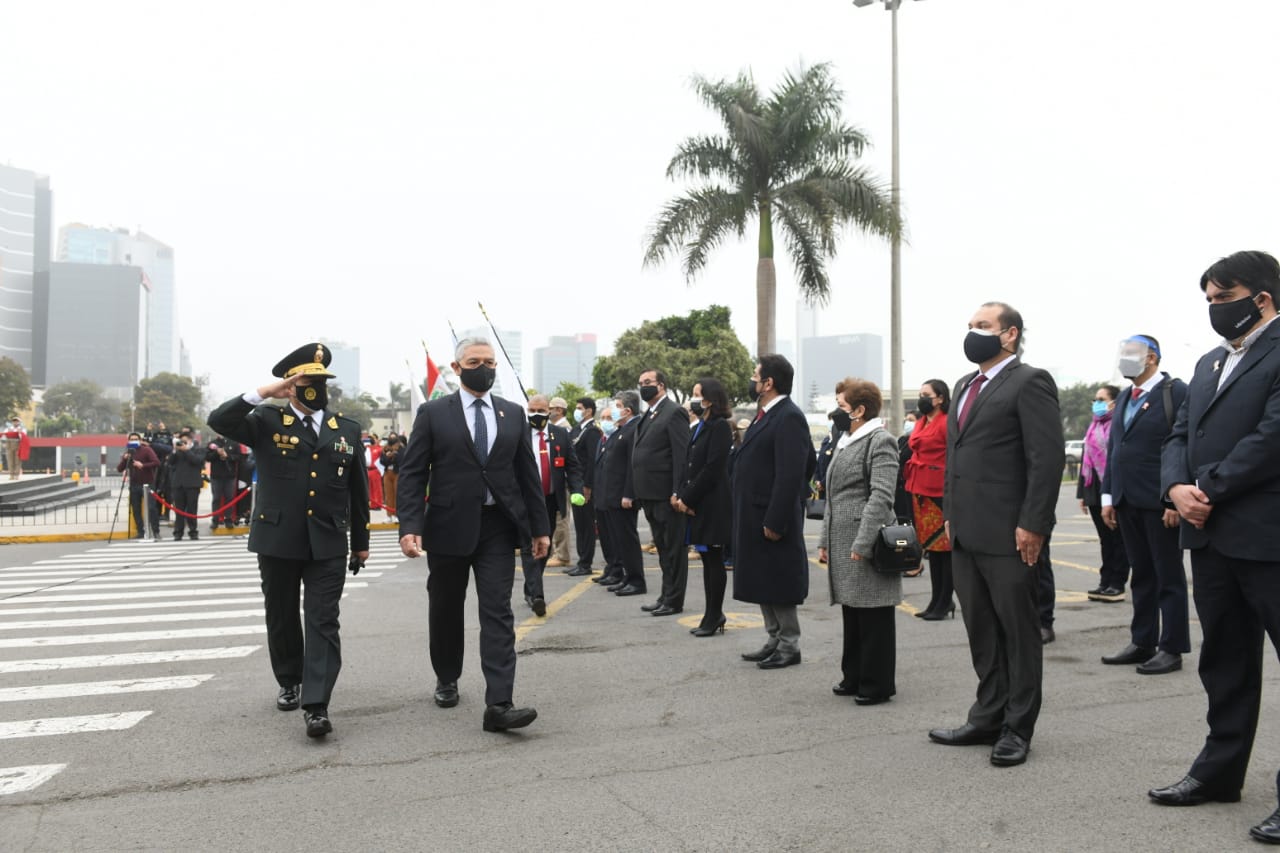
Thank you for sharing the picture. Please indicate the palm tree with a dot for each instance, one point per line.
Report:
(789, 158)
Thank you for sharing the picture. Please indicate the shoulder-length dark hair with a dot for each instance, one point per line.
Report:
(715, 398)
(944, 394)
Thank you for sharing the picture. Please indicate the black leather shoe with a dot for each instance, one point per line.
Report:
(500, 718)
(649, 608)
(607, 580)
(1160, 664)
(287, 700)
(870, 700)
(317, 721)
(616, 585)
(756, 657)
(537, 604)
(966, 735)
(1268, 832)
(1190, 792)
(446, 695)
(778, 660)
(666, 611)
(578, 572)
(1047, 636)
(1010, 750)
(1130, 654)
(841, 690)
(630, 589)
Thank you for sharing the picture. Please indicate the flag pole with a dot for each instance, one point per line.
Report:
(498, 338)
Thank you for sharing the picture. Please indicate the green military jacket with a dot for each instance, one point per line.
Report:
(312, 492)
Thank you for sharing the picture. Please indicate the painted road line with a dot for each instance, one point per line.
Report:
(40, 692)
(72, 725)
(117, 582)
(127, 659)
(142, 605)
(15, 780)
(527, 626)
(112, 596)
(129, 637)
(55, 624)
(50, 580)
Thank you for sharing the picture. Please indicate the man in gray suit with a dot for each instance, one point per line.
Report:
(658, 461)
(1004, 471)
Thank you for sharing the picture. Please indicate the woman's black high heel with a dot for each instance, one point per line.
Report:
(940, 615)
(709, 630)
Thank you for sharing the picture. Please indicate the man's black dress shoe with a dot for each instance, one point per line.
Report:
(755, 657)
(870, 700)
(500, 718)
(288, 698)
(649, 608)
(1047, 636)
(966, 735)
(841, 690)
(606, 579)
(1010, 750)
(666, 611)
(1189, 792)
(446, 695)
(1129, 654)
(616, 585)
(1160, 664)
(538, 604)
(630, 589)
(779, 659)
(317, 721)
(1268, 832)
(578, 572)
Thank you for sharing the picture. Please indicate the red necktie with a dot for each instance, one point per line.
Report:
(974, 388)
(545, 460)
(1137, 392)
(759, 415)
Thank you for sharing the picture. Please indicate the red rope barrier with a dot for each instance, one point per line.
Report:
(217, 511)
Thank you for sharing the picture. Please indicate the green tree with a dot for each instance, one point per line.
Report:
(399, 394)
(81, 400)
(352, 407)
(61, 425)
(15, 387)
(1075, 402)
(790, 158)
(700, 344)
(164, 397)
(570, 391)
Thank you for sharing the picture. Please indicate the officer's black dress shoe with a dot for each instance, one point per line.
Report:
(756, 657)
(500, 718)
(842, 690)
(1010, 750)
(1129, 654)
(1047, 636)
(966, 735)
(578, 572)
(317, 720)
(287, 700)
(537, 603)
(664, 610)
(649, 608)
(779, 659)
(446, 695)
(1160, 664)
(1268, 832)
(870, 700)
(607, 580)
(630, 589)
(1190, 792)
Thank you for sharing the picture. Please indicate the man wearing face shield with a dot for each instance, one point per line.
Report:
(1132, 503)
(1221, 469)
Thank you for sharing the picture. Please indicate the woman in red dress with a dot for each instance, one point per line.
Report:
(371, 453)
(925, 472)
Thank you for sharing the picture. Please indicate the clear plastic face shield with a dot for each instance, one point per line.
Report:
(1133, 355)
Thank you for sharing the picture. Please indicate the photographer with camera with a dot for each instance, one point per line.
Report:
(160, 439)
(224, 462)
(186, 464)
(139, 463)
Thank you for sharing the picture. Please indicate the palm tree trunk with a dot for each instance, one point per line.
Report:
(766, 287)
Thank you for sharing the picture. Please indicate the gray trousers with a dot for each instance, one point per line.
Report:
(783, 624)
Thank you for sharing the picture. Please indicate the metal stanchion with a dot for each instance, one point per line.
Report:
(147, 511)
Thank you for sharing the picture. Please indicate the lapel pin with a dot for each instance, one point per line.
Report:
(1216, 365)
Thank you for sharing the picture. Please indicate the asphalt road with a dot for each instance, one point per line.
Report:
(648, 739)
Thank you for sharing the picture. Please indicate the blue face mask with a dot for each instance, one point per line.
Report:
(134, 445)
(1099, 408)
(608, 427)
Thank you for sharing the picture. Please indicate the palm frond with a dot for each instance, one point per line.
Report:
(806, 253)
(848, 195)
(705, 157)
(694, 224)
(738, 104)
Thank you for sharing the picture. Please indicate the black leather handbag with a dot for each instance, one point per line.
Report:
(897, 549)
(815, 508)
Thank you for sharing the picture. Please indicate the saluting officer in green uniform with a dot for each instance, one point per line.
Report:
(312, 494)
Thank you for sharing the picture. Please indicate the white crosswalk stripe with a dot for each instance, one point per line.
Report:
(149, 590)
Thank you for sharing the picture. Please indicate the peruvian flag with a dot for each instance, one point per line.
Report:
(436, 386)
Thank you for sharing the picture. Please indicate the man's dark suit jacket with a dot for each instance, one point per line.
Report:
(1133, 454)
(613, 468)
(1226, 441)
(310, 489)
(566, 470)
(1004, 468)
(185, 468)
(658, 458)
(441, 457)
(586, 442)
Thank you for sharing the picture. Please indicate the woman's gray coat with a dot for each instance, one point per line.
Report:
(853, 519)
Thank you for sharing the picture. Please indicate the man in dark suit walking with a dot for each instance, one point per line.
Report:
(1221, 469)
(585, 438)
(1004, 472)
(470, 454)
(617, 510)
(561, 478)
(657, 461)
(312, 494)
(770, 474)
(1132, 503)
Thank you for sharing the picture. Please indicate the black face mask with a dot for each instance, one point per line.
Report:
(980, 348)
(648, 393)
(478, 379)
(753, 390)
(924, 405)
(538, 421)
(314, 396)
(841, 420)
(695, 406)
(1233, 320)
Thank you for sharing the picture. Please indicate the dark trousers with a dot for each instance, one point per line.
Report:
(870, 649)
(584, 529)
(224, 491)
(135, 507)
(1000, 602)
(1159, 583)
(940, 582)
(1237, 601)
(714, 581)
(314, 659)
(532, 568)
(1046, 589)
(184, 500)
(668, 528)
(1115, 562)
(447, 592)
(624, 539)
(612, 562)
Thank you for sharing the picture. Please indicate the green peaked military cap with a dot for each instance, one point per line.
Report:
(308, 360)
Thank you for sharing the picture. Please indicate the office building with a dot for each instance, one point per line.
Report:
(97, 324)
(564, 359)
(26, 217)
(346, 366)
(830, 358)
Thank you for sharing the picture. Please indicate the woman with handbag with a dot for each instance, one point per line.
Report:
(860, 487)
(925, 473)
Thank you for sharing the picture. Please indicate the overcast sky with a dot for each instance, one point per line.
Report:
(368, 171)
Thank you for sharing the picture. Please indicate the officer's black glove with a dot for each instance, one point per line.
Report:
(355, 565)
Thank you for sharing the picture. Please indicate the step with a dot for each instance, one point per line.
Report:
(9, 487)
(84, 494)
(41, 494)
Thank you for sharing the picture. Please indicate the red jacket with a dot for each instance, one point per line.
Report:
(928, 460)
